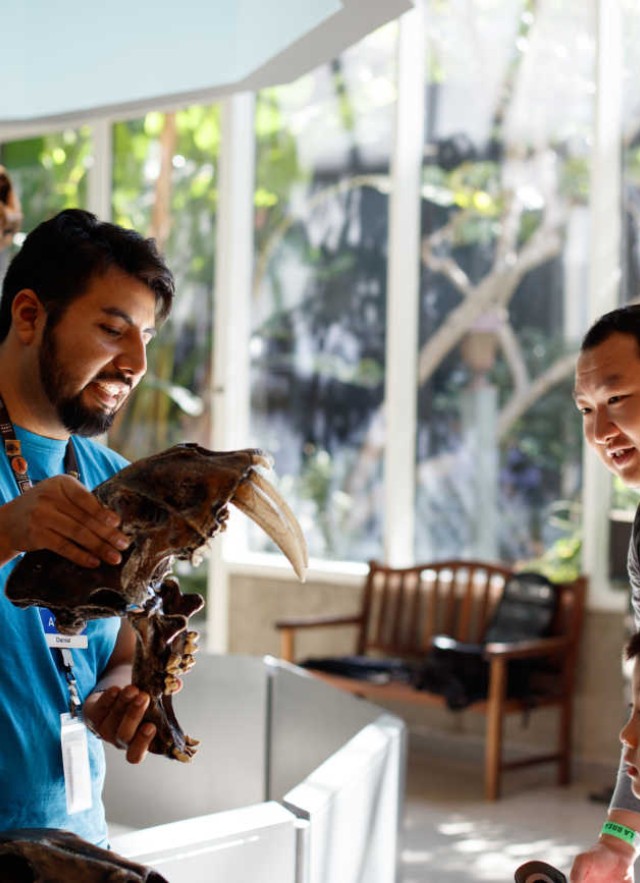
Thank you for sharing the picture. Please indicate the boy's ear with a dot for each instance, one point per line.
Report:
(27, 315)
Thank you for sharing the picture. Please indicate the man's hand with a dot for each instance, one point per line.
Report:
(606, 862)
(60, 514)
(115, 715)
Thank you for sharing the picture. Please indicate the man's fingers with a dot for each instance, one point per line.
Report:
(139, 745)
(97, 708)
(117, 717)
(89, 513)
(63, 516)
(132, 711)
(80, 542)
(87, 503)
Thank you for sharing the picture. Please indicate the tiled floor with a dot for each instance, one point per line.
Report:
(451, 835)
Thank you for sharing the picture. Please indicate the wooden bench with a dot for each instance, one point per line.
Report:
(403, 608)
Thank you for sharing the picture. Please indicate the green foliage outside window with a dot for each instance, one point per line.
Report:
(49, 172)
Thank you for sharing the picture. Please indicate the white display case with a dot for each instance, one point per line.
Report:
(294, 781)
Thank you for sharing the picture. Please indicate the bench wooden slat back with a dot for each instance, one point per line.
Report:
(403, 608)
(568, 622)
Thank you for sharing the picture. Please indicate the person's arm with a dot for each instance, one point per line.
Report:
(611, 859)
(60, 514)
(115, 709)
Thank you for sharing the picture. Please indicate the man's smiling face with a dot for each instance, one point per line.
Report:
(96, 353)
(607, 393)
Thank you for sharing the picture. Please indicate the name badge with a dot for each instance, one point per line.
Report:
(53, 637)
(75, 762)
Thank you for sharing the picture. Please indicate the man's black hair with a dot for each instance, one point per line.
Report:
(60, 257)
(623, 320)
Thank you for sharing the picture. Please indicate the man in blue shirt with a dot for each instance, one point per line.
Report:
(80, 302)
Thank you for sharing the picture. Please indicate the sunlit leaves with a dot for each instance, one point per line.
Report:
(49, 172)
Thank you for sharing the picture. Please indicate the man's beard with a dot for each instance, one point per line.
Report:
(75, 416)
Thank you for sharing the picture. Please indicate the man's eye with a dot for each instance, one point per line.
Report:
(110, 330)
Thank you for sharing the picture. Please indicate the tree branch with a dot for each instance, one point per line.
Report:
(521, 402)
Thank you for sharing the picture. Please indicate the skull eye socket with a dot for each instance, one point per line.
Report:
(146, 511)
(188, 492)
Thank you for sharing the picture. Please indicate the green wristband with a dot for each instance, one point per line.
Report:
(622, 833)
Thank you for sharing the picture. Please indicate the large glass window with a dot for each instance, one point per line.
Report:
(319, 296)
(503, 301)
(165, 186)
(503, 295)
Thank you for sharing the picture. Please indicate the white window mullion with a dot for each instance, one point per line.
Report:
(100, 174)
(232, 287)
(403, 285)
(604, 278)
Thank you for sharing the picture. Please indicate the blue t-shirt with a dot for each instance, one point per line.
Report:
(33, 690)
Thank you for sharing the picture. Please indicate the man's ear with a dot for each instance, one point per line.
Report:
(28, 315)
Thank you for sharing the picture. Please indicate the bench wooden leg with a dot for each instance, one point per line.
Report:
(287, 641)
(495, 713)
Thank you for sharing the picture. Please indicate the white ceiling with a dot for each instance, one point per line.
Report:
(62, 60)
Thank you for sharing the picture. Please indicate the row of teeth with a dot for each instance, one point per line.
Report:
(181, 663)
(110, 388)
(185, 756)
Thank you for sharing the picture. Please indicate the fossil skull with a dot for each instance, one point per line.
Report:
(171, 504)
(41, 855)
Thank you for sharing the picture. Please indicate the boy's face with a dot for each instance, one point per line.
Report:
(630, 734)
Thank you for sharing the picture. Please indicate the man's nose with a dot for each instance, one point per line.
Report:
(133, 358)
(604, 428)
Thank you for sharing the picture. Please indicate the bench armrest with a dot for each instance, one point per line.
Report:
(288, 628)
(310, 622)
(527, 649)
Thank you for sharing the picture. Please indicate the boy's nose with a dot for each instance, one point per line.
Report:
(628, 734)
